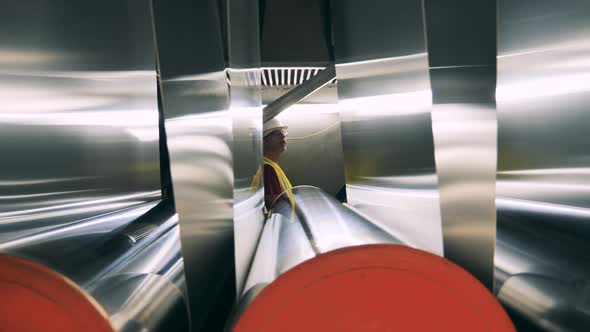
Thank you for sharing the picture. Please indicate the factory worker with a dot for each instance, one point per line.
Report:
(275, 180)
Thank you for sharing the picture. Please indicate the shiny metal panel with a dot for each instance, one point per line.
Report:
(542, 187)
(198, 126)
(79, 117)
(385, 101)
(462, 55)
(80, 185)
(246, 110)
(465, 141)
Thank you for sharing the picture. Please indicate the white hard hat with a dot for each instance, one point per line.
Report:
(272, 125)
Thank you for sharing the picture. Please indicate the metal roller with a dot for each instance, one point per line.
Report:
(322, 256)
(318, 224)
(134, 274)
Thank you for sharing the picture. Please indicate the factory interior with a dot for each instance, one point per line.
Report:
(295, 165)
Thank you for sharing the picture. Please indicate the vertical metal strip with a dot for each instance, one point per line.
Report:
(245, 105)
(463, 80)
(199, 133)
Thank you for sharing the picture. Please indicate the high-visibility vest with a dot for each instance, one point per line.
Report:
(283, 180)
(256, 180)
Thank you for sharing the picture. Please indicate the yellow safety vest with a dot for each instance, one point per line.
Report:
(256, 180)
(283, 180)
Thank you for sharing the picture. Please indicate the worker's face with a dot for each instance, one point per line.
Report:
(277, 140)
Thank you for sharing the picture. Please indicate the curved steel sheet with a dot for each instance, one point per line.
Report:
(198, 125)
(246, 111)
(385, 103)
(80, 140)
(79, 117)
(543, 161)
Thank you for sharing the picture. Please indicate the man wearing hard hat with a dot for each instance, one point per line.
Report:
(275, 180)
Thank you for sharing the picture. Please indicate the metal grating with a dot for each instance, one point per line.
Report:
(288, 76)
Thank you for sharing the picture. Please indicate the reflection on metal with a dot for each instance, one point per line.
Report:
(463, 79)
(152, 275)
(79, 117)
(542, 268)
(385, 102)
(328, 224)
(80, 178)
(283, 245)
(299, 93)
(246, 111)
(198, 125)
(139, 283)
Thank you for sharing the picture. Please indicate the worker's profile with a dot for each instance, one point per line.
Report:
(274, 145)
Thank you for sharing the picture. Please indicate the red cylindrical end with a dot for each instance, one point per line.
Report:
(376, 288)
(35, 298)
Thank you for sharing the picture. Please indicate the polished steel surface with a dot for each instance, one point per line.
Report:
(80, 179)
(79, 117)
(543, 205)
(139, 281)
(147, 291)
(246, 110)
(385, 102)
(542, 269)
(314, 146)
(299, 93)
(77, 241)
(462, 56)
(129, 300)
(465, 141)
(198, 123)
(283, 245)
(330, 225)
